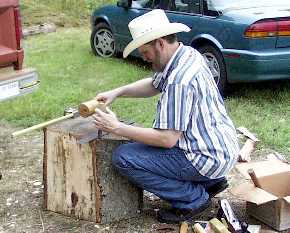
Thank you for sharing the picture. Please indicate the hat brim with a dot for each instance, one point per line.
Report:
(155, 34)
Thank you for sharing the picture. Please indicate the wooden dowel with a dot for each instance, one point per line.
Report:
(42, 125)
(183, 227)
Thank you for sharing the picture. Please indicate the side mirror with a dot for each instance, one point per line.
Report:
(124, 3)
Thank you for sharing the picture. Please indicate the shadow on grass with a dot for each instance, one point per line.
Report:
(245, 89)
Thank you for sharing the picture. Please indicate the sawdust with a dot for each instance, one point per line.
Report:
(21, 192)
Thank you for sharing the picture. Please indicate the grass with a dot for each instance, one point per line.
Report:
(71, 74)
(61, 12)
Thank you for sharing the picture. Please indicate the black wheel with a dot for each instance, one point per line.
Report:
(102, 41)
(216, 65)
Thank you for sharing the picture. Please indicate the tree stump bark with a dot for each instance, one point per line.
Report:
(79, 179)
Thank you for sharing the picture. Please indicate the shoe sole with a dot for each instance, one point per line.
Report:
(221, 189)
(189, 219)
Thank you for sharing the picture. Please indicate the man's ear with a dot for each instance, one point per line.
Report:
(160, 43)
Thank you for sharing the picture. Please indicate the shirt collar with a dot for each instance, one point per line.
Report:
(164, 72)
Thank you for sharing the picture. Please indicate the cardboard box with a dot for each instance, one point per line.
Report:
(270, 203)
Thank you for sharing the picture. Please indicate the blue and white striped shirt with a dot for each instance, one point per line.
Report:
(190, 102)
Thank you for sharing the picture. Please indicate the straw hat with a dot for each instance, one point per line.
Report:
(149, 27)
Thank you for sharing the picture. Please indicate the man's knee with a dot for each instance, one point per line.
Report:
(120, 156)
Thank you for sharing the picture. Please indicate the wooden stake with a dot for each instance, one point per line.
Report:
(42, 125)
(183, 227)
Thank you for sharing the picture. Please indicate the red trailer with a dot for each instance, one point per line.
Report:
(14, 79)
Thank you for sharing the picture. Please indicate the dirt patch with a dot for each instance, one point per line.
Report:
(21, 194)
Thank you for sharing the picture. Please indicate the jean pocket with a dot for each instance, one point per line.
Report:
(190, 173)
(187, 173)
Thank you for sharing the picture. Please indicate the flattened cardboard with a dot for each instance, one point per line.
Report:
(263, 168)
(276, 184)
(249, 192)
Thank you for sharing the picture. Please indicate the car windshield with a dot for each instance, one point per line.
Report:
(223, 5)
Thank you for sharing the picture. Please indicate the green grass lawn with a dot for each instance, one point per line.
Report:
(71, 74)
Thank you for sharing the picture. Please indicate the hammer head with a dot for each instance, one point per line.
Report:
(71, 110)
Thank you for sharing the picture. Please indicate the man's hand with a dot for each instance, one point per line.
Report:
(107, 97)
(106, 121)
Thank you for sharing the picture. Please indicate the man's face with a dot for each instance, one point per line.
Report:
(152, 53)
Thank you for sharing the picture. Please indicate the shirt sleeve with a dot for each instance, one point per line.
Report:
(174, 108)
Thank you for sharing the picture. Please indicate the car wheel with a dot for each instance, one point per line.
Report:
(102, 41)
(216, 65)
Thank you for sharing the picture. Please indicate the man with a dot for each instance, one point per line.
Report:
(192, 146)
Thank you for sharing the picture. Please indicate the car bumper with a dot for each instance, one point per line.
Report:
(17, 83)
(246, 66)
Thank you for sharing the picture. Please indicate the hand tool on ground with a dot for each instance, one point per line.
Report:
(197, 228)
(249, 146)
(226, 212)
(85, 109)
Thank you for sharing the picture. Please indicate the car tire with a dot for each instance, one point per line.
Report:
(103, 41)
(216, 65)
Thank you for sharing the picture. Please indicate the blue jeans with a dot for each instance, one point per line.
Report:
(165, 172)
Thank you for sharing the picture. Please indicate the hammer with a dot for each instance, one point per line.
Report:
(85, 109)
(249, 146)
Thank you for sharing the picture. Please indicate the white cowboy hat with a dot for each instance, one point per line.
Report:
(151, 26)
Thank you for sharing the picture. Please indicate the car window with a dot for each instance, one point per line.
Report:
(219, 6)
(142, 4)
(189, 6)
(209, 8)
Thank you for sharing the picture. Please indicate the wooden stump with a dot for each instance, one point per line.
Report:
(79, 179)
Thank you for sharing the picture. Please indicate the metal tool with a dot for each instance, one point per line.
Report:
(228, 213)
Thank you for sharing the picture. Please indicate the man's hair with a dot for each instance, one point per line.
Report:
(172, 38)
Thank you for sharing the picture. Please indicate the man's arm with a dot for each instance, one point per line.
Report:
(154, 137)
(141, 88)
